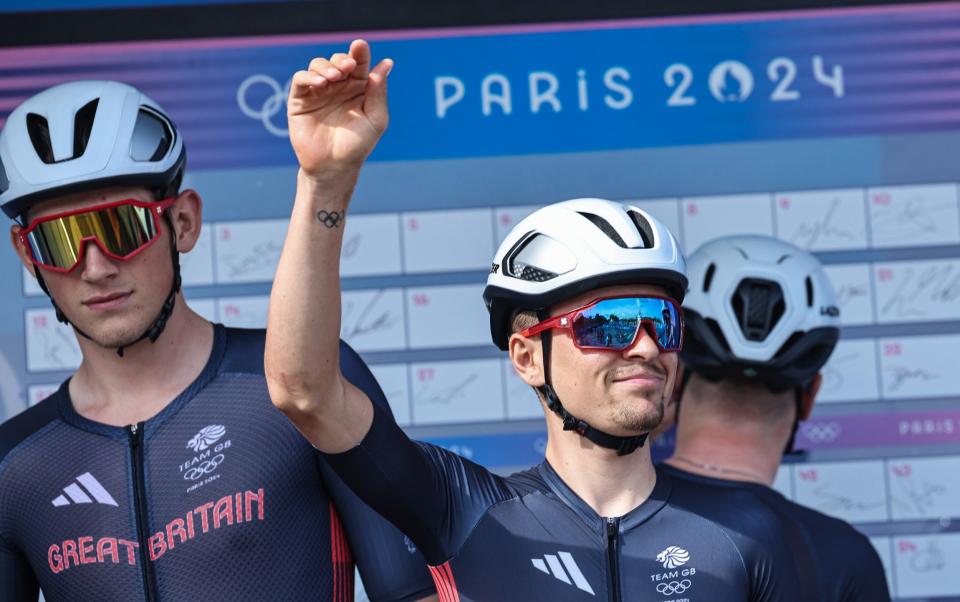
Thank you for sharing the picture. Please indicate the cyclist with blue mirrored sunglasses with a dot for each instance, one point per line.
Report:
(585, 297)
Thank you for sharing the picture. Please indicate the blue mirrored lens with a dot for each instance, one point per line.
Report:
(613, 323)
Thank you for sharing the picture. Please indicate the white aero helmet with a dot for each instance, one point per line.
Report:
(83, 135)
(758, 308)
(573, 246)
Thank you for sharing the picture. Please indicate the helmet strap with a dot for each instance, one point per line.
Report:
(623, 445)
(153, 333)
(798, 398)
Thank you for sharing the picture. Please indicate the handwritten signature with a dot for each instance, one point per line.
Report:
(935, 284)
(350, 246)
(447, 395)
(833, 372)
(810, 233)
(261, 255)
(366, 320)
(930, 558)
(919, 497)
(909, 219)
(903, 375)
(830, 501)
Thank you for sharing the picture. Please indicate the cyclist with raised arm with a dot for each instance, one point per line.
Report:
(159, 470)
(577, 295)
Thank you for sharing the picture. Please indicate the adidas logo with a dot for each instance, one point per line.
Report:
(81, 495)
(554, 565)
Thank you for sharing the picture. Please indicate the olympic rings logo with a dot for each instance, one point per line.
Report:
(205, 467)
(821, 432)
(674, 587)
(272, 105)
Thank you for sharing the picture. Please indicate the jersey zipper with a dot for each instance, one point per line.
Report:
(613, 557)
(140, 510)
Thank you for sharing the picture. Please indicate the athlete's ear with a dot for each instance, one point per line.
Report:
(186, 214)
(527, 358)
(21, 249)
(810, 395)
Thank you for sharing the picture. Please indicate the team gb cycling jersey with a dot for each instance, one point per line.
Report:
(217, 497)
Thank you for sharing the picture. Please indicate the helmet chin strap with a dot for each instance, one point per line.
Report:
(622, 445)
(152, 333)
(789, 450)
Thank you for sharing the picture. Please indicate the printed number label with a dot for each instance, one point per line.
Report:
(421, 300)
(900, 470)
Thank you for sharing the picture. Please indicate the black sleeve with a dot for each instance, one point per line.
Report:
(867, 580)
(17, 582)
(391, 567)
(433, 495)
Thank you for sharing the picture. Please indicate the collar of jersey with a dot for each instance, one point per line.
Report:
(210, 370)
(657, 500)
(711, 481)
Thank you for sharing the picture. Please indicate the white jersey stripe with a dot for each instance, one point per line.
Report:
(557, 568)
(96, 489)
(76, 494)
(575, 572)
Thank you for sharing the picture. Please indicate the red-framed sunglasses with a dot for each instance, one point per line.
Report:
(121, 229)
(613, 323)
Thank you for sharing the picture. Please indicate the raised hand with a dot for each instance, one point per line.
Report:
(337, 110)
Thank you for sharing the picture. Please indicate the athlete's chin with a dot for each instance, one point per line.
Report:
(115, 335)
(639, 416)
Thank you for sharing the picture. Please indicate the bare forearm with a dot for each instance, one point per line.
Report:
(303, 327)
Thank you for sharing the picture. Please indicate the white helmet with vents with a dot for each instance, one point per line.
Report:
(84, 135)
(758, 308)
(574, 246)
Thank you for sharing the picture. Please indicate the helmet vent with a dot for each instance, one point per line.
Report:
(39, 131)
(758, 305)
(533, 274)
(644, 228)
(83, 125)
(538, 258)
(605, 227)
(809, 292)
(708, 278)
(152, 137)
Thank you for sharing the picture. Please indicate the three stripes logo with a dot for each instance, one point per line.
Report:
(555, 565)
(84, 490)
